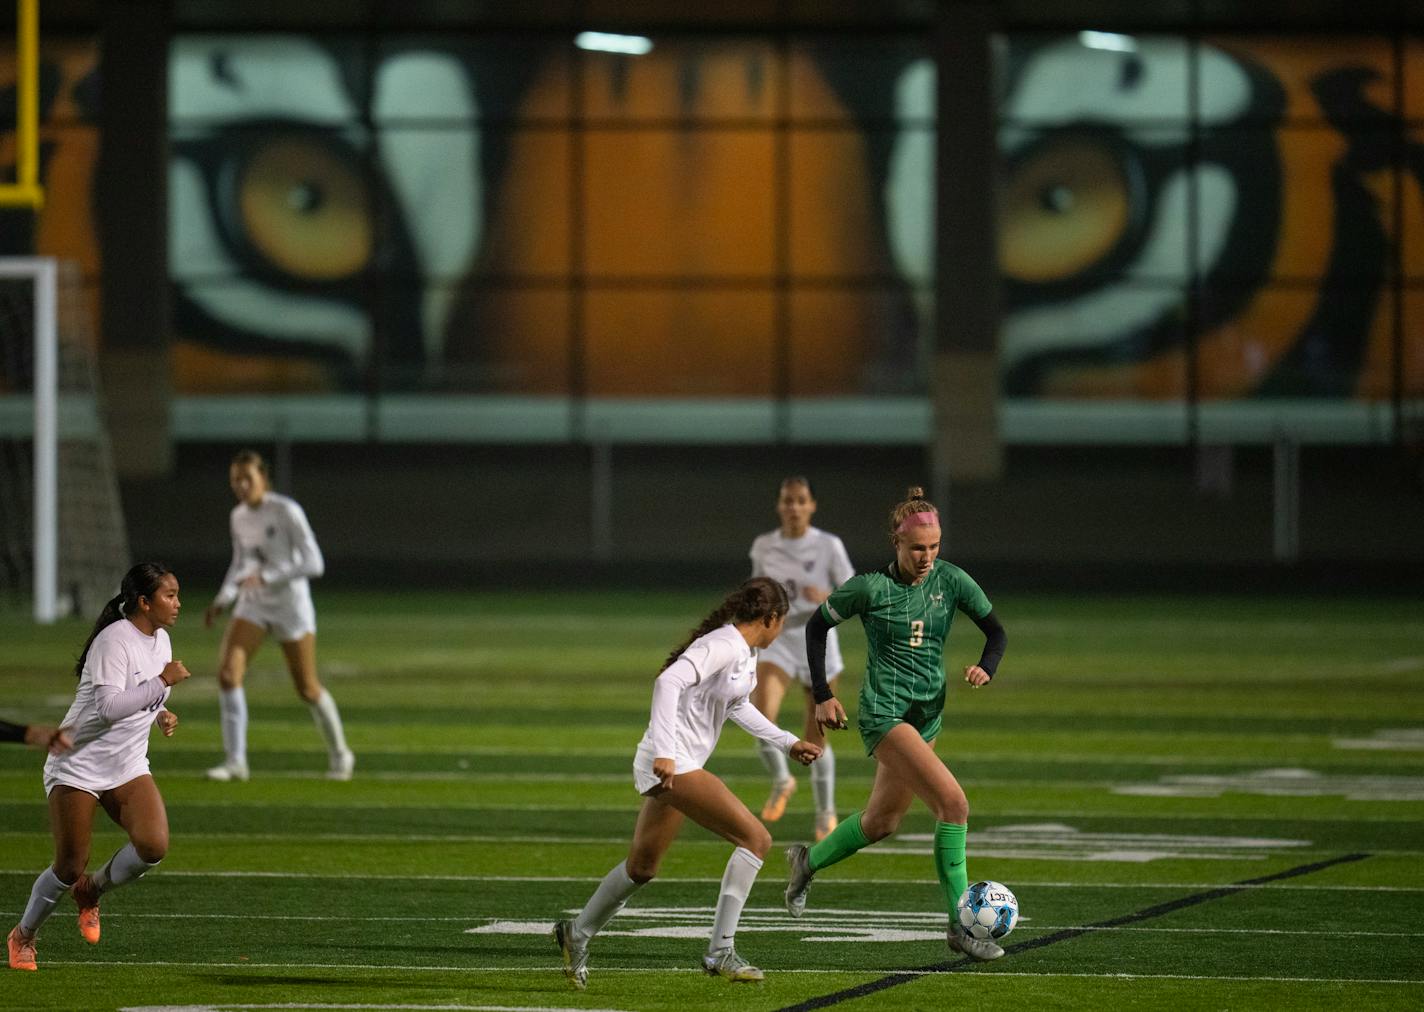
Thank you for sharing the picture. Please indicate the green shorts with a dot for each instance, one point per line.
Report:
(923, 717)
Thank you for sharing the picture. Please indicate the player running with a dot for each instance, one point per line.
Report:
(809, 563)
(274, 556)
(906, 608)
(702, 685)
(126, 672)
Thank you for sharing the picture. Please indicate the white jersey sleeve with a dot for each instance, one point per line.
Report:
(754, 722)
(306, 558)
(668, 688)
(840, 567)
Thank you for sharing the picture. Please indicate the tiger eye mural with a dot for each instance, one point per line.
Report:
(1234, 217)
(1273, 183)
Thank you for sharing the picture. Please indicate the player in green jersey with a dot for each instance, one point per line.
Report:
(907, 608)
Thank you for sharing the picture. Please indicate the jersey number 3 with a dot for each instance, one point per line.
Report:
(917, 633)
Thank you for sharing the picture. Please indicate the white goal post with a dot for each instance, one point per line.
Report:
(44, 273)
(72, 547)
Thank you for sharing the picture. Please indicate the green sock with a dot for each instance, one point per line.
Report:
(949, 861)
(845, 840)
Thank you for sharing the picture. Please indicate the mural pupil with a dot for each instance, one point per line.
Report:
(305, 197)
(1057, 198)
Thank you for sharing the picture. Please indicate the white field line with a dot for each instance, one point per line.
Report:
(221, 1006)
(664, 970)
(671, 879)
(791, 926)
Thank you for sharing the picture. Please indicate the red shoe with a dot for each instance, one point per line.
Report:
(88, 910)
(22, 950)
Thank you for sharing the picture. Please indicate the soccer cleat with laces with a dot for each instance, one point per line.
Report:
(726, 963)
(798, 880)
(775, 806)
(575, 955)
(825, 823)
(342, 765)
(22, 950)
(228, 771)
(962, 941)
(87, 900)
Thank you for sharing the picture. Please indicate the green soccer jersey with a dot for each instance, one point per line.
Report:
(905, 629)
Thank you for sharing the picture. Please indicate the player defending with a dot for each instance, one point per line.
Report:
(809, 563)
(274, 555)
(703, 684)
(906, 608)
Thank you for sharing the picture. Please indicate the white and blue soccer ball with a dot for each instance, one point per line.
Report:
(988, 910)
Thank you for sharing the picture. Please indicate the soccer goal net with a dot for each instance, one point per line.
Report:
(63, 546)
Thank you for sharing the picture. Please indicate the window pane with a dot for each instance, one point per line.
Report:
(503, 339)
(1093, 78)
(1081, 207)
(859, 341)
(680, 343)
(838, 224)
(420, 79)
(1301, 78)
(664, 203)
(876, 80)
(684, 79)
(1306, 204)
(220, 79)
(1125, 340)
(1295, 342)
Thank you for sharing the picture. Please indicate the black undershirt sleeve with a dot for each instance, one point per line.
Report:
(13, 732)
(995, 640)
(816, 631)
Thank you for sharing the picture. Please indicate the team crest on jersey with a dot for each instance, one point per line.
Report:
(272, 531)
(808, 565)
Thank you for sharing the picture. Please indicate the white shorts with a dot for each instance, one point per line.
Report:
(95, 785)
(643, 776)
(287, 622)
(788, 652)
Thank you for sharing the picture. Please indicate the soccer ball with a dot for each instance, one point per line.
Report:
(988, 910)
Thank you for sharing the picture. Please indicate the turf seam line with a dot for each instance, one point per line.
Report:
(905, 977)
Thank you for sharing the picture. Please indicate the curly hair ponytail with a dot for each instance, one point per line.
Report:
(759, 598)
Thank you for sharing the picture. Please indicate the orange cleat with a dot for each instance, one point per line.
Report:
(775, 806)
(88, 904)
(825, 822)
(22, 950)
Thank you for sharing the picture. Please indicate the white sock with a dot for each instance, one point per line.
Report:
(232, 708)
(124, 867)
(823, 780)
(43, 896)
(606, 901)
(742, 868)
(774, 759)
(328, 721)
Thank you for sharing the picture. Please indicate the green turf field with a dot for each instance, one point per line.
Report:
(1201, 803)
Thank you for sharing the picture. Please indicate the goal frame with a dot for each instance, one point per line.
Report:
(44, 273)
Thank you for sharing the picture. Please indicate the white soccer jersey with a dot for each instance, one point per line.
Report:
(706, 686)
(274, 539)
(108, 754)
(816, 559)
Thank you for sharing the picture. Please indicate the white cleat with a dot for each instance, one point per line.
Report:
(342, 766)
(961, 941)
(228, 771)
(798, 881)
(575, 955)
(726, 963)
